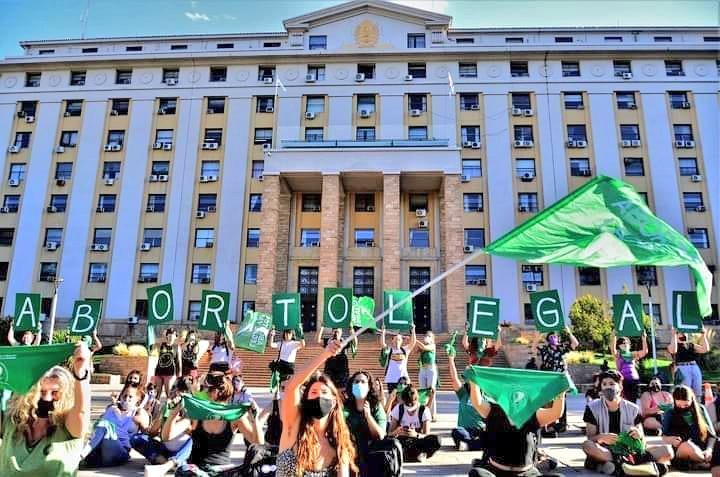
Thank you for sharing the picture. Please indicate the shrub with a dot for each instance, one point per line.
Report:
(711, 360)
(137, 350)
(591, 322)
(521, 340)
(120, 349)
(580, 357)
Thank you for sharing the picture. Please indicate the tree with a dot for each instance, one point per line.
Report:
(592, 324)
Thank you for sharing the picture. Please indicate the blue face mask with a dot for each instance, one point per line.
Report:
(360, 390)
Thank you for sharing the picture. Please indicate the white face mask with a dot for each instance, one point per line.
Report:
(428, 340)
(625, 347)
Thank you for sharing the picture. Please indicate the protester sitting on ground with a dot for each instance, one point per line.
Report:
(511, 451)
(531, 363)
(715, 460)
(28, 337)
(397, 357)
(482, 351)
(626, 363)
(410, 424)
(133, 379)
(221, 352)
(688, 429)
(43, 429)
(685, 355)
(364, 415)
(468, 435)
(553, 358)
(189, 354)
(428, 374)
(241, 393)
(593, 392)
(394, 398)
(606, 418)
(287, 353)
(315, 440)
(337, 367)
(653, 403)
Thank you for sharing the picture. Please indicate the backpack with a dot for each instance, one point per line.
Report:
(385, 458)
(274, 425)
(401, 413)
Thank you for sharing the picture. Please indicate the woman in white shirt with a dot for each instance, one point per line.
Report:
(396, 367)
(410, 424)
(287, 353)
(221, 353)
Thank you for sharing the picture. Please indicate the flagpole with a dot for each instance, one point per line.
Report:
(652, 326)
(53, 308)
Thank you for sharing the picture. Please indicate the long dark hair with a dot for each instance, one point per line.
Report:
(372, 397)
(684, 393)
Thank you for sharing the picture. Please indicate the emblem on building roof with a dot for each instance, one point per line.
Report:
(366, 34)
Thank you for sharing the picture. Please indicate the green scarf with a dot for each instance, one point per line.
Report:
(626, 445)
(450, 346)
(22, 366)
(204, 410)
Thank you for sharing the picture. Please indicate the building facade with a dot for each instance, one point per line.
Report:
(369, 145)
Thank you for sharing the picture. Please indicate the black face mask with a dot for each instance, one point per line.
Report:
(654, 387)
(44, 408)
(317, 408)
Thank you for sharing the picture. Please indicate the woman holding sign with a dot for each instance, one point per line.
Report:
(626, 363)
(168, 364)
(686, 355)
(396, 366)
(428, 374)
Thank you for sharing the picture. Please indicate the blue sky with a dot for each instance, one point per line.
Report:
(51, 19)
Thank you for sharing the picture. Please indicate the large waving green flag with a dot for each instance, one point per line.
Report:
(604, 223)
(22, 366)
(204, 410)
(519, 392)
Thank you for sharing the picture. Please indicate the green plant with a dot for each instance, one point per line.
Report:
(63, 336)
(4, 328)
(120, 349)
(710, 361)
(521, 340)
(580, 357)
(137, 350)
(592, 324)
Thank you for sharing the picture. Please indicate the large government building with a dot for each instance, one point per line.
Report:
(368, 145)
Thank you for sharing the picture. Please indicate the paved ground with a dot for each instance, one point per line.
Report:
(447, 462)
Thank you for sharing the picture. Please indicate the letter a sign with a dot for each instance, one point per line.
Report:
(547, 311)
(686, 312)
(483, 317)
(338, 307)
(27, 312)
(627, 314)
(160, 305)
(214, 309)
(85, 317)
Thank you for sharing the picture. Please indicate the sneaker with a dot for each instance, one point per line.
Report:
(462, 446)
(607, 468)
(422, 457)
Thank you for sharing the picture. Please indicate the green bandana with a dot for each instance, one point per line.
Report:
(427, 357)
(627, 356)
(384, 356)
(424, 396)
(22, 366)
(450, 346)
(626, 445)
(204, 410)
(399, 388)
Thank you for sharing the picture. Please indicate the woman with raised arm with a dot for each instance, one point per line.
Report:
(686, 355)
(428, 374)
(626, 363)
(287, 353)
(28, 338)
(396, 366)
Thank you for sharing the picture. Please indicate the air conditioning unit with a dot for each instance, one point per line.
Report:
(516, 112)
(420, 213)
(626, 143)
(635, 143)
(268, 80)
(13, 182)
(480, 283)
(627, 76)
(690, 144)
(315, 243)
(29, 119)
(59, 149)
(408, 78)
(99, 247)
(260, 178)
(157, 145)
(474, 107)
(696, 178)
(679, 143)
(66, 114)
(423, 224)
(632, 106)
(465, 178)
(309, 115)
(204, 279)
(171, 81)
(109, 181)
(133, 320)
(167, 146)
(571, 143)
(527, 176)
(162, 178)
(107, 147)
(115, 147)
(531, 287)
(585, 172)
(371, 244)
(685, 105)
(267, 146)
(211, 111)
(364, 113)
(270, 109)
(581, 144)
(208, 178)
(200, 214)
(52, 209)
(310, 78)
(475, 145)
(51, 246)
(153, 178)
(145, 247)
(466, 143)
(360, 77)
(60, 182)
(209, 244)
(468, 249)
(100, 210)
(523, 208)
(370, 208)
(528, 112)
(21, 114)
(210, 145)
(114, 112)
(14, 149)
(162, 111)
(526, 143)
(415, 112)
(4, 210)
(700, 208)
(150, 208)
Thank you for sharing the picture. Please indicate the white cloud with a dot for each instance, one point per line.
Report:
(438, 6)
(197, 17)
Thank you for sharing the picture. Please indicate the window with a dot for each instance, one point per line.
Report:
(48, 271)
(525, 168)
(644, 196)
(468, 70)
(309, 237)
(202, 272)
(646, 274)
(194, 308)
(3, 271)
(73, 107)
(317, 72)
(153, 237)
(417, 133)
(6, 237)
(470, 133)
(417, 101)
(258, 167)
(265, 104)
(532, 274)
(363, 281)
(662, 39)
(655, 312)
(683, 132)
(265, 72)
(573, 101)
(164, 136)
(77, 78)
(59, 201)
(472, 168)
(63, 170)
(218, 74)
(469, 102)
(674, 68)
(364, 202)
(17, 172)
(523, 133)
(89, 50)
(570, 68)
(629, 132)
(625, 100)
(133, 48)
(46, 52)
(419, 238)
(204, 238)
(580, 167)
(29, 108)
(155, 203)
(699, 237)
(225, 46)
(255, 202)
(314, 134)
(621, 67)
(123, 76)
(514, 39)
(364, 237)
(247, 305)
(120, 107)
(366, 102)
(170, 74)
(263, 135)
(418, 201)
(207, 202)
(210, 168)
(563, 39)
(167, 106)
(116, 138)
(271, 44)
(527, 202)
(53, 235)
(692, 200)
(416, 40)
(589, 276)
(634, 166)
(106, 203)
(68, 138)
(367, 69)
(11, 203)
(711, 39)
(111, 170)
(519, 69)
(416, 70)
(576, 132)
(253, 238)
(614, 39)
(213, 135)
(311, 202)
(688, 166)
(365, 134)
(149, 272)
(97, 273)
(315, 104)
(22, 139)
(475, 238)
(317, 42)
(216, 105)
(32, 80)
(521, 100)
(475, 275)
(473, 202)
(160, 168)
(102, 236)
(678, 99)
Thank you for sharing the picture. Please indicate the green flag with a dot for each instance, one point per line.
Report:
(27, 312)
(160, 305)
(274, 381)
(150, 337)
(253, 332)
(519, 392)
(22, 366)
(686, 316)
(604, 223)
(337, 312)
(214, 307)
(483, 317)
(450, 346)
(363, 312)
(286, 311)
(423, 396)
(547, 311)
(203, 410)
(628, 314)
(85, 317)
(400, 318)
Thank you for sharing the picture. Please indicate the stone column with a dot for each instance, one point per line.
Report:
(330, 237)
(451, 252)
(391, 232)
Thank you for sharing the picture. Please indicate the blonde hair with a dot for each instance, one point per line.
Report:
(22, 409)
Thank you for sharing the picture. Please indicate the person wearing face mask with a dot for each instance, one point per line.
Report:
(133, 379)
(42, 430)
(168, 363)
(337, 367)
(552, 358)
(153, 407)
(241, 394)
(685, 355)
(653, 403)
(626, 363)
(364, 415)
(410, 424)
(481, 351)
(468, 435)
(688, 429)
(190, 352)
(606, 418)
(394, 396)
(428, 374)
(287, 353)
(396, 366)
(315, 441)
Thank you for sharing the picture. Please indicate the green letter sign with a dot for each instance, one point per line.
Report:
(400, 318)
(338, 307)
(85, 317)
(628, 314)
(686, 312)
(547, 311)
(160, 304)
(214, 309)
(27, 312)
(484, 317)
(286, 311)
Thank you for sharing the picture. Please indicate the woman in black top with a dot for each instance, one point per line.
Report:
(687, 428)
(168, 364)
(685, 355)
(190, 350)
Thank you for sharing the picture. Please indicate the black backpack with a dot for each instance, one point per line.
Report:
(274, 425)
(385, 458)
